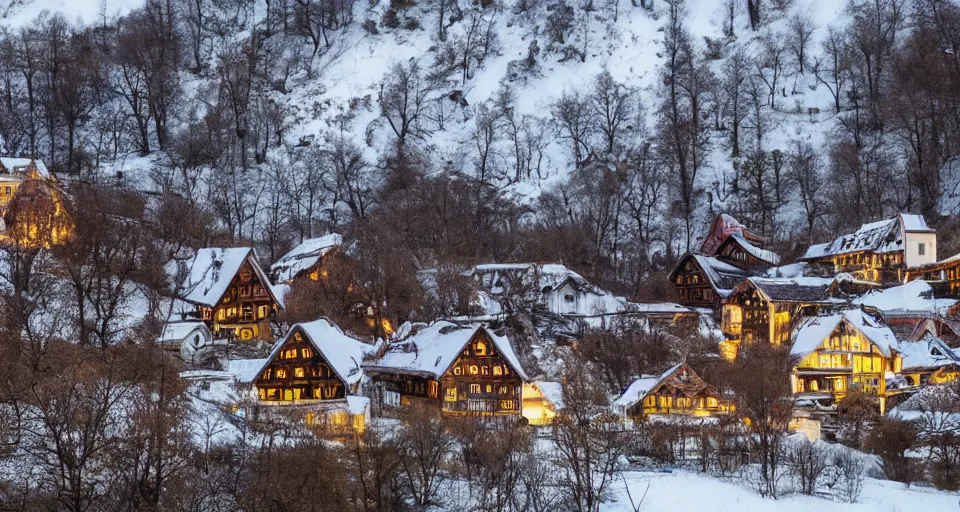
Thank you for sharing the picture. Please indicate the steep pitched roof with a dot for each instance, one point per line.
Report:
(722, 277)
(304, 256)
(210, 271)
(19, 165)
(880, 237)
(434, 348)
(643, 386)
(343, 353)
(723, 226)
(810, 332)
(763, 255)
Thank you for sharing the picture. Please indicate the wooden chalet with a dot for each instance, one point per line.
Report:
(306, 261)
(705, 281)
(880, 252)
(677, 391)
(231, 292)
(33, 207)
(466, 370)
(764, 309)
(729, 254)
(316, 371)
(840, 351)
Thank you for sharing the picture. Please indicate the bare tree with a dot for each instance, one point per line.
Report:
(403, 98)
(614, 107)
(832, 71)
(803, 170)
(801, 30)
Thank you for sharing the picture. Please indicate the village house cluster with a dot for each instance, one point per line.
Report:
(870, 311)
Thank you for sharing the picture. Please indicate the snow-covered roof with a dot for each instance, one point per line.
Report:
(761, 254)
(810, 332)
(915, 297)
(794, 289)
(724, 226)
(304, 256)
(358, 404)
(18, 165)
(928, 352)
(175, 332)
(210, 271)
(880, 237)
(343, 353)
(434, 348)
(723, 277)
(552, 391)
(246, 370)
(657, 308)
(641, 387)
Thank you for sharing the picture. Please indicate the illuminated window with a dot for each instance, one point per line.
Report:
(306, 353)
(434, 389)
(263, 311)
(474, 388)
(266, 374)
(298, 372)
(317, 393)
(457, 370)
(489, 388)
(451, 395)
(330, 391)
(263, 394)
(288, 394)
(484, 370)
(480, 348)
(507, 404)
(503, 390)
(474, 370)
(497, 370)
(281, 373)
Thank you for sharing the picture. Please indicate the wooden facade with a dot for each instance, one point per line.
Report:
(737, 251)
(880, 252)
(246, 307)
(943, 277)
(480, 379)
(704, 281)
(856, 352)
(298, 372)
(764, 310)
(315, 371)
(678, 391)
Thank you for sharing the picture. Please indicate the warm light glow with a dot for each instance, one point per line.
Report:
(386, 326)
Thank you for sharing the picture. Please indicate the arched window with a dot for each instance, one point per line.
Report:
(480, 349)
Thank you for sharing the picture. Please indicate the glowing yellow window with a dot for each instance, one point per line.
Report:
(457, 370)
(306, 353)
(489, 388)
(281, 373)
(451, 395)
(298, 372)
(480, 348)
(497, 370)
(474, 388)
(474, 370)
(484, 370)
(263, 394)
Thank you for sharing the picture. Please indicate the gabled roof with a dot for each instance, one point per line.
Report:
(210, 271)
(763, 255)
(643, 386)
(19, 165)
(343, 353)
(722, 277)
(795, 289)
(927, 353)
(434, 348)
(810, 332)
(175, 332)
(879, 237)
(304, 256)
(723, 226)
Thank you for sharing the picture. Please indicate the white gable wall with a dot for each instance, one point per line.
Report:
(913, 242)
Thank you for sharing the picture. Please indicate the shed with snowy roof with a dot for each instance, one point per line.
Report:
(464, 369)
(306, 259)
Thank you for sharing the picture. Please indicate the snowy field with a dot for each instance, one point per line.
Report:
(682, 491)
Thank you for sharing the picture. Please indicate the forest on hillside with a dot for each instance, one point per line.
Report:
(191, 105)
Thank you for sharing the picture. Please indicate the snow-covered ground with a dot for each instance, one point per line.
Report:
(683, 491)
